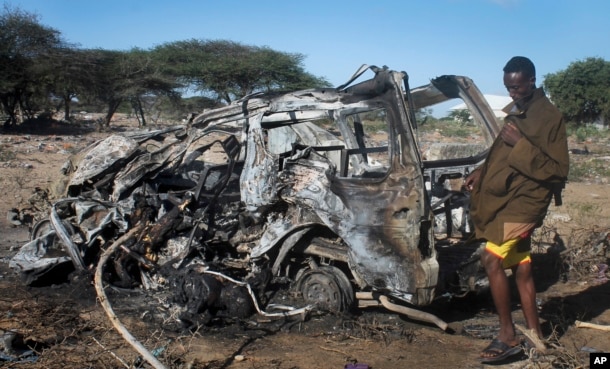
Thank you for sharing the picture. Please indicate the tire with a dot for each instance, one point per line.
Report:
(326, 287)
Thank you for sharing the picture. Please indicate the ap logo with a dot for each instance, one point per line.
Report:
(599, 360)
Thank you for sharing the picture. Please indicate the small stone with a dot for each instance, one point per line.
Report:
(239, 358)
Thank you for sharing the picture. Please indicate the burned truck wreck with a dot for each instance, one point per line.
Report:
(331, 193)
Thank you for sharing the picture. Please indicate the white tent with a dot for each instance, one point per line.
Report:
(496, 102)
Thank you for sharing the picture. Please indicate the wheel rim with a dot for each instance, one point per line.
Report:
(327, 287)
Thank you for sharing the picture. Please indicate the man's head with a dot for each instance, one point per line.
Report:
(519, 77)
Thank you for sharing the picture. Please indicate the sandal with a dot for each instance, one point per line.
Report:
(499, 351)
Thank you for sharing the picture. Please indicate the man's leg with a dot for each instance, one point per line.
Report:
(500, 291)
(527, 293)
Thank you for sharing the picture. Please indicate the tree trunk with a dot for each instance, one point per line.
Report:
(10, 105)
(113, 105)
(137, 108)
(25, 108)
(67, 101)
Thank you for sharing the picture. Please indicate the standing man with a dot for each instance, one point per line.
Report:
(511, 193)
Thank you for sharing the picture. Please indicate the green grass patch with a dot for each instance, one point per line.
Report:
(449, 128)
(588, 169)
(584, 132)
(584, 212)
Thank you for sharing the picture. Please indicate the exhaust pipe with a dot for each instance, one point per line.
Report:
(366, 299)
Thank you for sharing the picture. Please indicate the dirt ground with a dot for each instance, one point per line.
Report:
(65, 326)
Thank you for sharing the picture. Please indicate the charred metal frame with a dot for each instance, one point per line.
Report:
(318, 198)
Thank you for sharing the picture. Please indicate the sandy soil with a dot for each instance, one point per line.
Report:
(66, 326)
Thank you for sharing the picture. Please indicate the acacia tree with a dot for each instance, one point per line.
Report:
(282, 71)
(146, 82)
(128, 77)
(461, 115)
(70, 73)
(23, 42)
(37, 67)
(582, 91)
(228, 70)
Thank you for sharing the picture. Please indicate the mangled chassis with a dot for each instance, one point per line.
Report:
(277, 187)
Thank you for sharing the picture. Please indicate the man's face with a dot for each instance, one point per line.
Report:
(518, 85)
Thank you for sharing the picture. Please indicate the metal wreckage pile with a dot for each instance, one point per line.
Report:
(275, 190)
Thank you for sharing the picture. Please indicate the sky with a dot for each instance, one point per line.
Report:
(425, 38)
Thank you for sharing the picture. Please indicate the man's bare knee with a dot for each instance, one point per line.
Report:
(490, 261)
(523, 273)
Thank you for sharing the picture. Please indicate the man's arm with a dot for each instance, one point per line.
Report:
(532, 162)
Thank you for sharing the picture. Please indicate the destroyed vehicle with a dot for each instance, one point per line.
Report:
(340, 194)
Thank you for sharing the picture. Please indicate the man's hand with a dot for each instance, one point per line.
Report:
(510, 134)
(472, 180)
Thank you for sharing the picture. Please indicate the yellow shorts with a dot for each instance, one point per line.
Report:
(512, 252)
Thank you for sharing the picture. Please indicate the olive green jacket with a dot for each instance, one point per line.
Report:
(516, 183)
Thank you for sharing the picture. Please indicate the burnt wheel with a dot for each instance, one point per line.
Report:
(327, 287)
